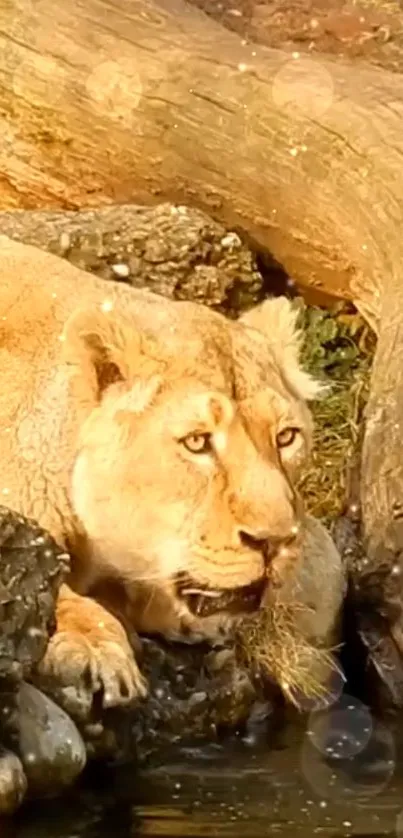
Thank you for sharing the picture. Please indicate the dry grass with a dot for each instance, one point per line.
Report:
(274, 647)
(390, 6)
(336, 431)
(338, 349)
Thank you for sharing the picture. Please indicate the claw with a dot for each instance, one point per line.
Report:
(79, 669)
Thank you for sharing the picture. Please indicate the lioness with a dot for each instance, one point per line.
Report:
(158, 442)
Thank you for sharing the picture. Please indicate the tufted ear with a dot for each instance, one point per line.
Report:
(103, 344)
(276, 319)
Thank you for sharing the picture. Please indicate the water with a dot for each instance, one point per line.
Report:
(243, 788)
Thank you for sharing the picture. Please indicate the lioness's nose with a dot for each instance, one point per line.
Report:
(254, 537)
(265, 542)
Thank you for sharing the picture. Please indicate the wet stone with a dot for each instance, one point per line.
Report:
(41, 746)
(190, 708)
(32, 567)
(13, 782)
(48, 742)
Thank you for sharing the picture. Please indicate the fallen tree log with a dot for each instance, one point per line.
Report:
(376, 569)
(151, 100)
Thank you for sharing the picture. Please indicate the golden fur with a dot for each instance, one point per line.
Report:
(103, 390)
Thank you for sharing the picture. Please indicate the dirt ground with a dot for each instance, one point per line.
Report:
(369, 30)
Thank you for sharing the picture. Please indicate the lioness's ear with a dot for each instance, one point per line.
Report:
(276, 319)
(105, 345)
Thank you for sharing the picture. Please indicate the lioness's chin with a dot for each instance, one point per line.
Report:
(204, 601)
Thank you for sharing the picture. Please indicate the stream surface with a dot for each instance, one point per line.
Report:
(339, 774)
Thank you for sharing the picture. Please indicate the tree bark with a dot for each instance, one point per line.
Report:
(382, 461)
(377, 571)
(142, 100)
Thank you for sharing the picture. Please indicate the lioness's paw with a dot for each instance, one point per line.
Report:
(80, 669)
(88, 655)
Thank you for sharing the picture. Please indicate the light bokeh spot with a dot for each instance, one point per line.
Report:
(115, 85)
(303, 87)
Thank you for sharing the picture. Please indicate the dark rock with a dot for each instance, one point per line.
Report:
(48, 743)
(372, 611)
(196, 694)
(175, 251)
(32, 567)
(13, 782)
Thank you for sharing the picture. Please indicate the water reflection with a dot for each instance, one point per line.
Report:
(237, 790)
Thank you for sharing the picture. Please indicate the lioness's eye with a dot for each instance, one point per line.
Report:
(286, 437)
(197, 443)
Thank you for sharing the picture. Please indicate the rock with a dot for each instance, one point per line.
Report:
(196, 693)
(319, 583)
(175, 251)
(13, 782)
(48, 743)
(32, 567)
(373, 605)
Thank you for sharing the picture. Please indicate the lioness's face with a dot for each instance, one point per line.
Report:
(189, 477)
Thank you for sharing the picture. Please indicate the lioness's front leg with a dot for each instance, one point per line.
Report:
(89, 653)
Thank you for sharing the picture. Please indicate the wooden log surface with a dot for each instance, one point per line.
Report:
(377, 570)
(146, 100)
